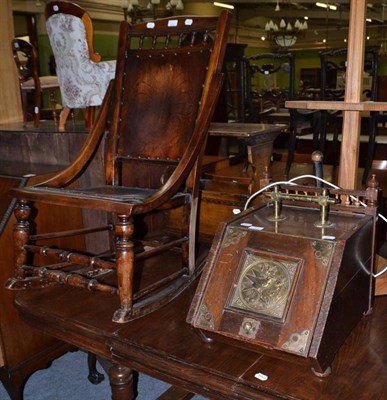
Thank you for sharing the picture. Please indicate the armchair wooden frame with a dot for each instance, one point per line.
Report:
(73, 9)
(158, 112)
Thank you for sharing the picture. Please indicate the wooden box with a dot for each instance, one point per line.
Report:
(287, 286)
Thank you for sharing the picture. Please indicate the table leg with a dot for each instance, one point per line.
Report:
(121, 382)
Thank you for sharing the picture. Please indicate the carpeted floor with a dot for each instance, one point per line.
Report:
(66, 379)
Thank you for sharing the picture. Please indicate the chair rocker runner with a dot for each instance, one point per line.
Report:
(158, 110)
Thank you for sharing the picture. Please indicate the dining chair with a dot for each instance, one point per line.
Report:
(332, 82)
(269, 82)
(153, 123)
(83, 77)
(27, 63)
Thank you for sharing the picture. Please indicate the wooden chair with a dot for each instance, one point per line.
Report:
(158, 111)
(265, 96)
(333, 69)
(26, 60)
(83, 77)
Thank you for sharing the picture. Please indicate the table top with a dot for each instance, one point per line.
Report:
(244, 130)
(163, 345)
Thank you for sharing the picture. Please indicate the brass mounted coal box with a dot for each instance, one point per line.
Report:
(292, 276)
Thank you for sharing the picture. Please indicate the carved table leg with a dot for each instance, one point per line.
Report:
(121, 382)
(13, 382)
(94, 377)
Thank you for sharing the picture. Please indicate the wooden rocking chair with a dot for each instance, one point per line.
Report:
(157, 110)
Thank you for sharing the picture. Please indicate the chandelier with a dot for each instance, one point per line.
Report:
(135, 11)
(285, 34)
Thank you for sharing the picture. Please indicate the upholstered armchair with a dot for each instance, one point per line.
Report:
(83, 78)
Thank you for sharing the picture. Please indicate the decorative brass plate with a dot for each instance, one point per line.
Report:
(264, 285)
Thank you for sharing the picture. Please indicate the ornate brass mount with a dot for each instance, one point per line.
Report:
(323, 200)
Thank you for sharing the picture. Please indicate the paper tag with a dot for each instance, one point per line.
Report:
(261, 377)
(256, 228)
(172, 22)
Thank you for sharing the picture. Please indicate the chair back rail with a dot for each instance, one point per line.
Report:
(154, 133)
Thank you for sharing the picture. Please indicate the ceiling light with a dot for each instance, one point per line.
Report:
(285, 34)
(231, 7)
(326, 5)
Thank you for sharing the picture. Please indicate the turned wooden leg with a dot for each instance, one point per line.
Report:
(121, 382)
(21, 234)
(62, 118)
(94, 377)
(124, 260)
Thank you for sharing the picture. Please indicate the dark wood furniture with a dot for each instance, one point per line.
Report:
(163, 345)
(215, 371)
(27, 64)
(230, 99)
(256, 141)
(352, 104)
(334, 62)
(158, 114)
(23, 155)
(263, 95)
(291, 278)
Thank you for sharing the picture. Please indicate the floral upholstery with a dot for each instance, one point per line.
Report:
(82, 82)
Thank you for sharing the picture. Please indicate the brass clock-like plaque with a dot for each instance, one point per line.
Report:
(264, 285)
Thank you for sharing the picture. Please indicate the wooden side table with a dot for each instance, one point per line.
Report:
(257, 140)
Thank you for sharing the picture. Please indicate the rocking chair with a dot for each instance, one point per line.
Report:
(157, 110)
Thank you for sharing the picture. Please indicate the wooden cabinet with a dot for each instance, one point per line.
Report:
(23, 349)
